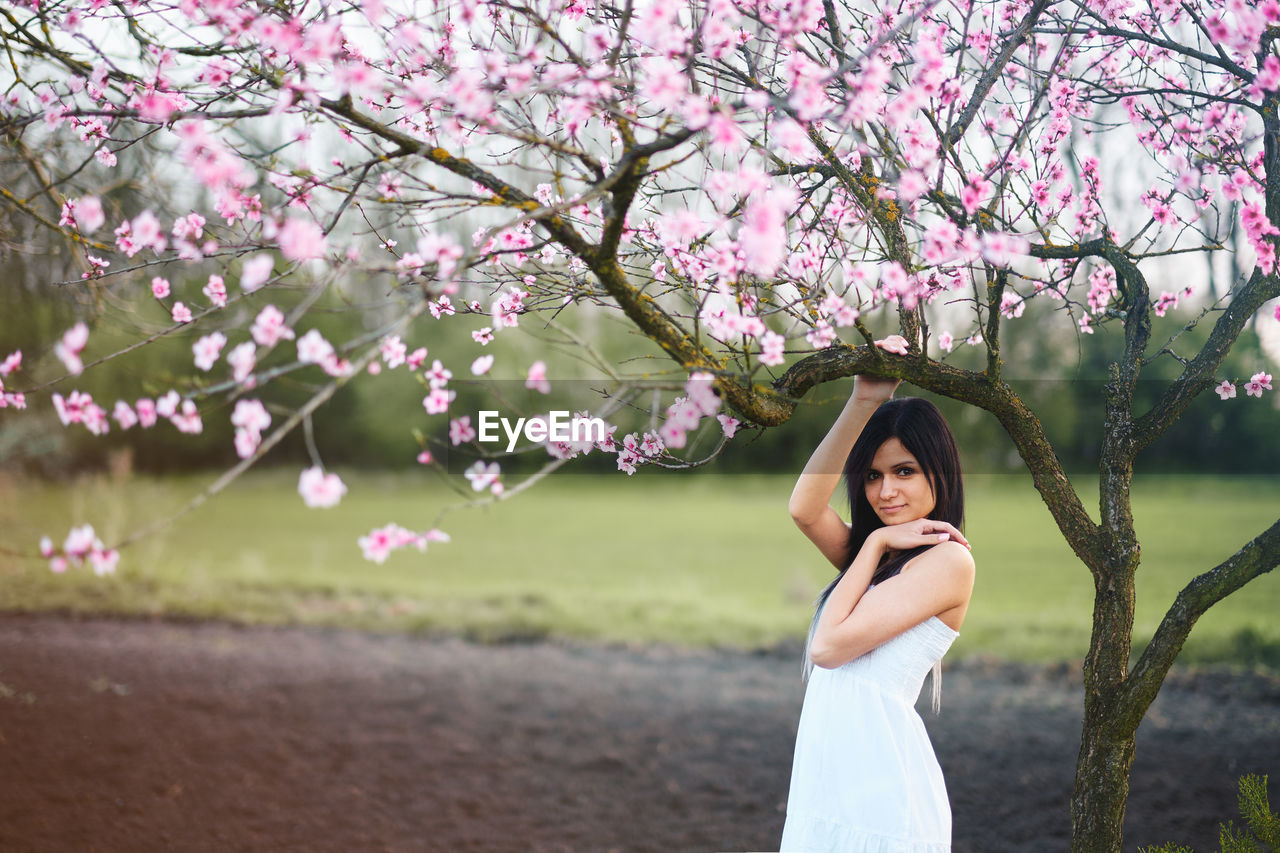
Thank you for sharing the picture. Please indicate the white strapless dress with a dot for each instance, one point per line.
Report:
(864, 778)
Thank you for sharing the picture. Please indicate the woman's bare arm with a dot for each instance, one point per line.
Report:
(811, 499)
(856, 620)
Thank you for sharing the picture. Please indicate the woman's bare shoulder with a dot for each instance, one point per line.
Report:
(949, 557)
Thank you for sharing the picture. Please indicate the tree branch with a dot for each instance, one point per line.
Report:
(1259, 556)
(993, 72)
(1198, 375)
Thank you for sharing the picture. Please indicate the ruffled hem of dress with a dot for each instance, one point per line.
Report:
(807, 834)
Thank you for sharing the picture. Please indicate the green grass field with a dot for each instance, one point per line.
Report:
(705, 560)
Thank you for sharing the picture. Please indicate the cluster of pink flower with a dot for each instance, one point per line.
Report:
(1257, 383)
(380, 542)
(250, 418)
(79, 408)
(81, 545)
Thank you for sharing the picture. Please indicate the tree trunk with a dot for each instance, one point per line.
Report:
(1102, 788)
(1107, 740)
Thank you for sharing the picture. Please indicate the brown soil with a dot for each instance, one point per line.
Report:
(134, 736)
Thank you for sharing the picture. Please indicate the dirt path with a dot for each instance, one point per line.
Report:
(133, 736)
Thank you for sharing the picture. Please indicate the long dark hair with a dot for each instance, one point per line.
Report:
(923, 431)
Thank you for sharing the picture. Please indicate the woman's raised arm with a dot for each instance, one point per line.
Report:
(811, 499)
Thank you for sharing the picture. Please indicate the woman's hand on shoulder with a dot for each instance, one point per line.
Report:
(914, 534)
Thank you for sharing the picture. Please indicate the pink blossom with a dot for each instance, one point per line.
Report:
(216, 291)
(651, 444)
(481, 365)
(85, 213)
(537, 378)
(188, 227)
(946, 341)
(771, 346)
(443, 251)
(1166, 301)
(1225, 390)
(392, 350)
(188, 420)
(460, 430)
(146, 409)
(167, 405)
(242, 358)
(895, 344)
(441, 307)
(627, 460)
(1258, 383)
(255, 272)
(821, 335)
(415, 359)
(104, 562)
(673, 435)
(438, 376)
(269, 327)
(379, 544)
(157, 106)
(301, 240)
(14, 360)
(684, 414)
(250, 419)
(763, 236)
(425, 457)
(506, 309)
(975, 192)
(80, 541)
(207, 349)
(72, 409)
(702, 394)
(482, 476)
(1012, 305)
(313, 348)
(180, 313)
(999, 248)
(146, 232)
(437, 402)
(160, 287)
(320, 490)
(482, 336)
(68, 350)
(124, 415)
(728, 424)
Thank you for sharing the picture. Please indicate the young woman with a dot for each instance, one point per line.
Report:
(865, 777)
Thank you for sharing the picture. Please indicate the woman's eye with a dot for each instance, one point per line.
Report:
(905, 472)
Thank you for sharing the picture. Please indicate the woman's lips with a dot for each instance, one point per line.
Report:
(892, 508)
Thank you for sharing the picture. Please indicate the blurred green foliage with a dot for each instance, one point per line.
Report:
(661, 556)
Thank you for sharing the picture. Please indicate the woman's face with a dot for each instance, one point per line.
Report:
(896, 487)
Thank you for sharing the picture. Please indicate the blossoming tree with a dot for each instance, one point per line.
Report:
(744, 181)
